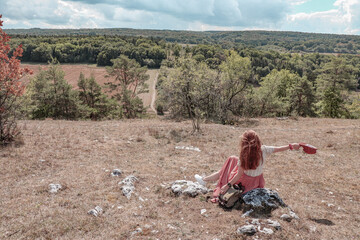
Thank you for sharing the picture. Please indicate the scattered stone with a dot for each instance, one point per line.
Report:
(127, 191)
(293, 215)
(99, 209)
(54, 188)
(312, 229)
(93, 212)
(137, 230)
(189, 188)
(191, 148)
(286, 217)
(255, 222)
(246, 214)
(247, 230)
(116, 172)
(129, 180)
(96, 211)
(262, 201)
(274, 224)
(265, 230)
(128, 187)
(171, 226)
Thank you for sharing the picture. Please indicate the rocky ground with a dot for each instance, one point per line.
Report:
(86, 199)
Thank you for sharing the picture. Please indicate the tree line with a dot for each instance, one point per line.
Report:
(99, 49)
(263, 40)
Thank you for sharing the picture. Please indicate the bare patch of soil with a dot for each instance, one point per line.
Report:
(322, 189)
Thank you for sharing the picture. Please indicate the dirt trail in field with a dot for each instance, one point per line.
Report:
(150, 97)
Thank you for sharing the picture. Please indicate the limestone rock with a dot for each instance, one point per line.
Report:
(247, 230)
(54, 188)
(96, 211)
(116, 172)
(129, 180)
(286, 217)
(262, 201)
(274, 224)
(265, 230)
(128, 185)
(188, 188)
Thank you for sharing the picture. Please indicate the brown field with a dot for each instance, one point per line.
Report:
(80, 155)
(72, 73)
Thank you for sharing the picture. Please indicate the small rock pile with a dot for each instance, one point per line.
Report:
(258, 226)
(189, 188)
(128, 187)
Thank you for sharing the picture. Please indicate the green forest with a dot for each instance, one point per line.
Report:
(215, 76)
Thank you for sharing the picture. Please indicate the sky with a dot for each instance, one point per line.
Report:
(319, 16)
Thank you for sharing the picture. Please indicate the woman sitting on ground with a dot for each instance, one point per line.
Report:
(248, 170)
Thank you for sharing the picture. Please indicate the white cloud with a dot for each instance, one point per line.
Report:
(344, 19)
(199, 15)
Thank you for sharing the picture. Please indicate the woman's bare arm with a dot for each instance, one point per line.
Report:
(295, 146)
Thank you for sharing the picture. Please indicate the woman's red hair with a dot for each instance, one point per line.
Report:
(250, 150)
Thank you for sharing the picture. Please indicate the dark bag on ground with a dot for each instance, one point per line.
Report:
(232, 196)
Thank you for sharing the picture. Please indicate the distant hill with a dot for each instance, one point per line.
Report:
(265, 40)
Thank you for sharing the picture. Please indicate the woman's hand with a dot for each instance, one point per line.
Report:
(296, 146)
(224, 189)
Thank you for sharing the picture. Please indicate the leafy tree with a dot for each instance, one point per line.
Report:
(99, 105)
(333, 83)
(284, 93)
(128, 81)
(188, 90)
(10, 87)
(50, 96)
(235, 78)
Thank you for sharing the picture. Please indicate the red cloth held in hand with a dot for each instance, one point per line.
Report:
(309, 149)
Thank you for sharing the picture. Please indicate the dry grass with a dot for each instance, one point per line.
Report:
(80, 154)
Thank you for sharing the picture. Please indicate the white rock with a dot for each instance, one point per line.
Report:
(247, 213)
(96, 211)
(93, 212)
(188, 188)
(312, 229)
(137, 230)
(202, 211)
(255, 222)
(171, 226)
(265, 230)
(247, 230)
(274, 224)
(286, 217)
(129, 180)
(293, 215)
(127, 191)
(99, 209)
(54, 188)
(191, 148)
